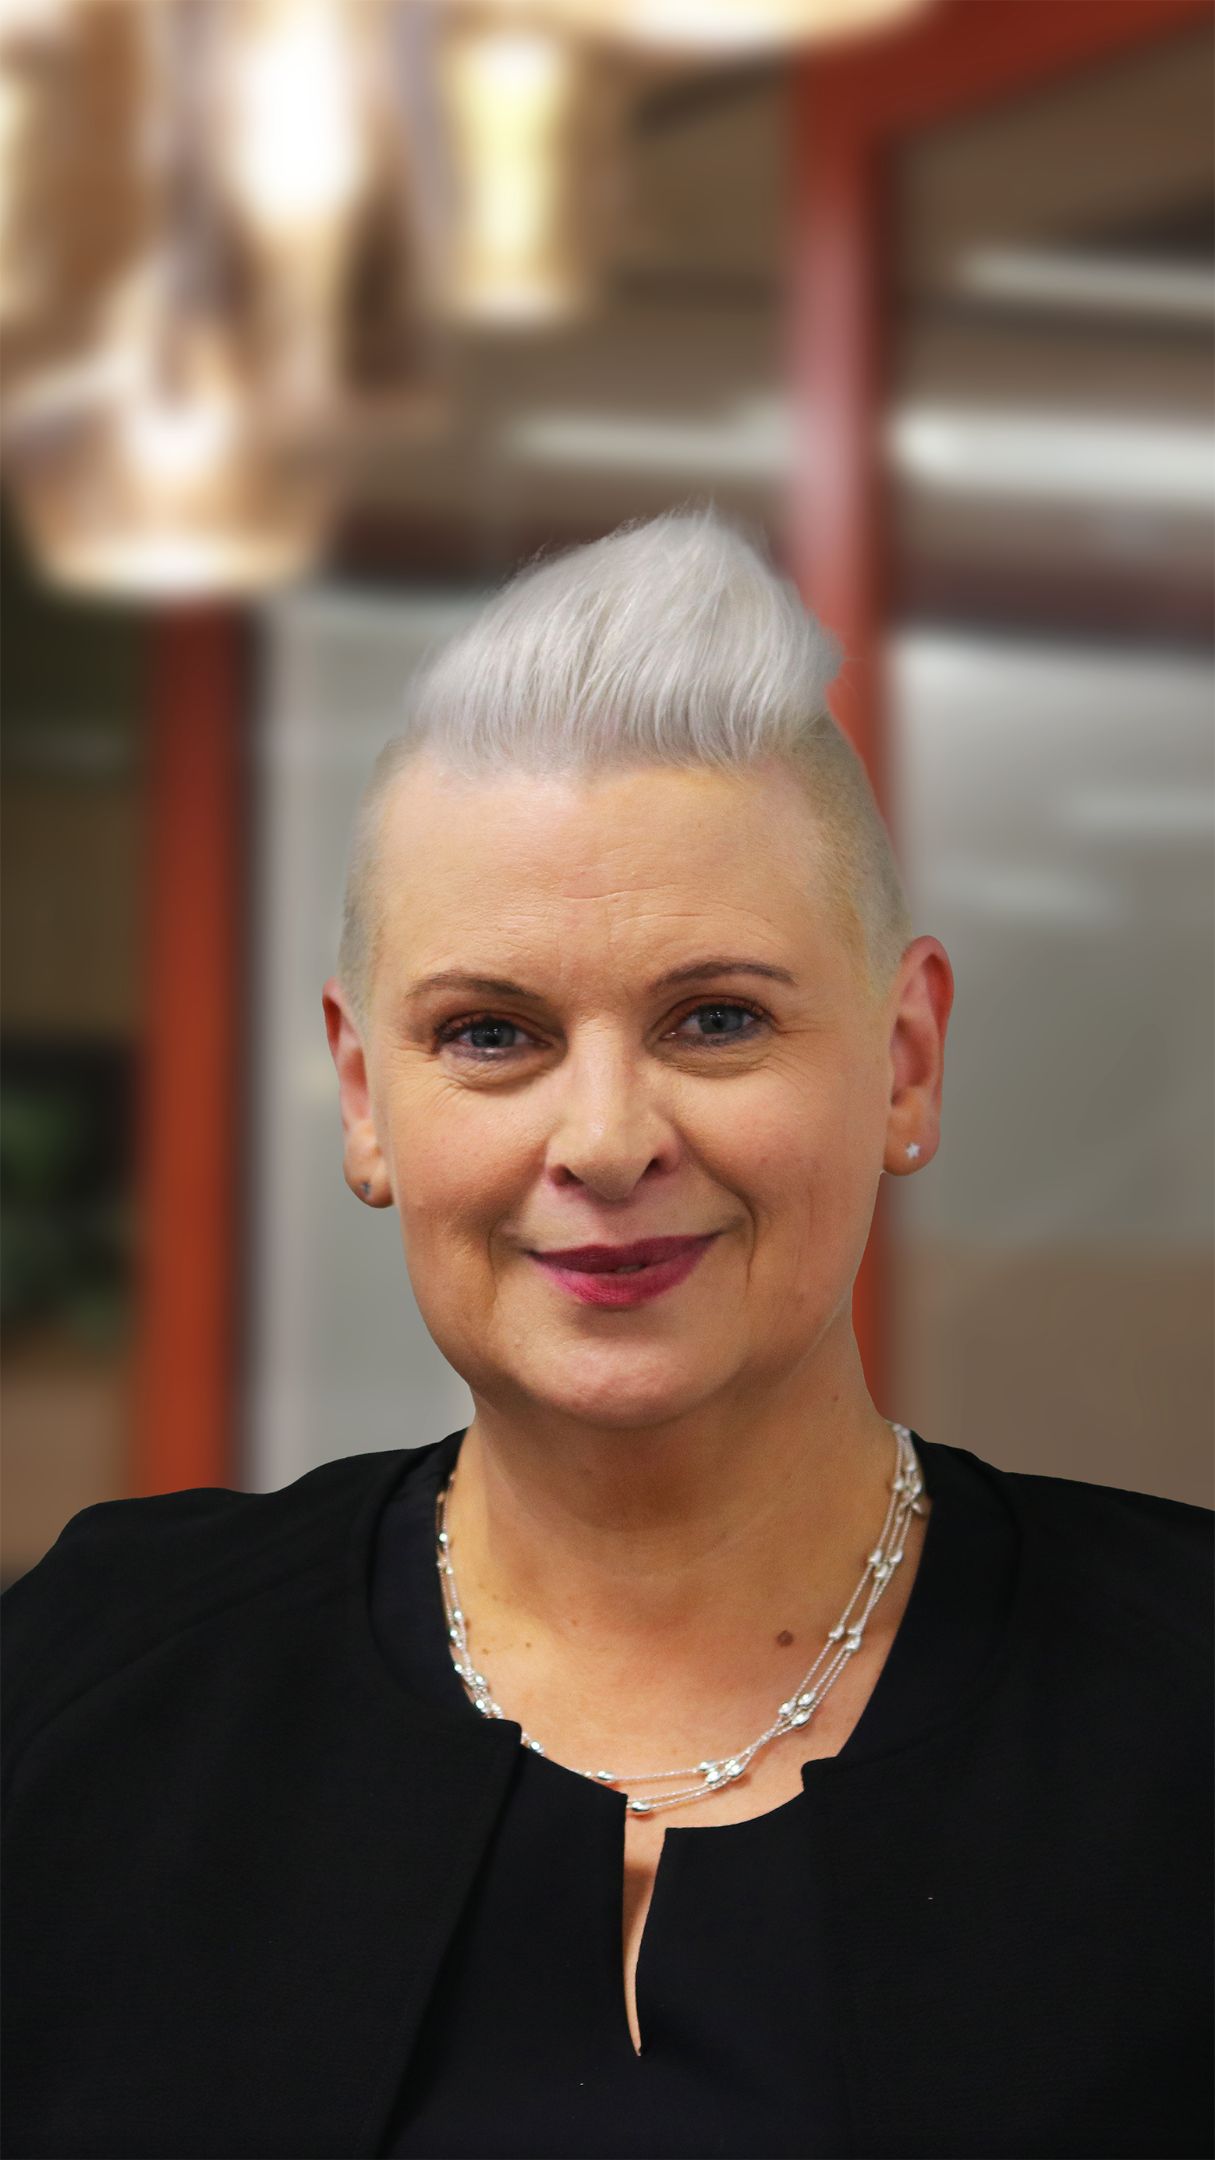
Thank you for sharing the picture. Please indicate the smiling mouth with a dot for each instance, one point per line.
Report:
(647, 1254)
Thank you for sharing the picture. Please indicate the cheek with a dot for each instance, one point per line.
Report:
(453, 1192)
(808, 1170)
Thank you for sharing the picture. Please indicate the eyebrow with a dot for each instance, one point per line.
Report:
(696, 971)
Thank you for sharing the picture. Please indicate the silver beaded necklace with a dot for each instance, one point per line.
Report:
(906, 1488)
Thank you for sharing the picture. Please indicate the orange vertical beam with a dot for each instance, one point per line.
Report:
(854, 105)
(835, 518)
(188, 1110)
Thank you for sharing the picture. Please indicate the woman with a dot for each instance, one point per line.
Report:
(682, 1758)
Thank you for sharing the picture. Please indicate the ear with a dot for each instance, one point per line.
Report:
(922, 1000)
(363, 1163)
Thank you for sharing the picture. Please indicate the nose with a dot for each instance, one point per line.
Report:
(609, 1125)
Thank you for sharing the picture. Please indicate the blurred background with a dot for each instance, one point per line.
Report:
(315, 320)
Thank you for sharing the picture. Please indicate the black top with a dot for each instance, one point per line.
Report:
(525, 2048)
(249, 1871)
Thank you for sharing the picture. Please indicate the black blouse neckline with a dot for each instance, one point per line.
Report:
(960, 1624)
(734, 1979)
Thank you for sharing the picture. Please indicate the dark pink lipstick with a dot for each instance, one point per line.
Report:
(592, 1274)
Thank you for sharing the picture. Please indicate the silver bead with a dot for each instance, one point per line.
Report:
(640, 1807)
(836, 1634)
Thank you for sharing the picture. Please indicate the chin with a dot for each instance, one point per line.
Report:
(610, 1390)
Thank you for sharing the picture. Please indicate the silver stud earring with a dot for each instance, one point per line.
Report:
(913, 1149)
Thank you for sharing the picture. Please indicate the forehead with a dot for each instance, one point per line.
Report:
(577, 857)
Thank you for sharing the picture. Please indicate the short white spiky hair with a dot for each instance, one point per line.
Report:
(672, 642)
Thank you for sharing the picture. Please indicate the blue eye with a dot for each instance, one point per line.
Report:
(722, 1005)
(451, 1030)
(455, 1028)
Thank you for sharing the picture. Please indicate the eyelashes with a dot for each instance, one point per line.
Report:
(446, 1035)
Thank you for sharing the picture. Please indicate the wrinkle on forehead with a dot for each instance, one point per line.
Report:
(718, 857)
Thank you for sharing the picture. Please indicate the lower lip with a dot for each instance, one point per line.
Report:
(648, 1282)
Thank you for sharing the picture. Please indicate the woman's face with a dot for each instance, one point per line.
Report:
(592, 1105)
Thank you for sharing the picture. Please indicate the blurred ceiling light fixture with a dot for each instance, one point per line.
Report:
(515, 102)
(530, 115)
(750, 439)
(167, 462)
(146, 471)
(1128, 285)
(1056, 456)
(732, 26)
(31, 32)
(294, 157)
(296, 153)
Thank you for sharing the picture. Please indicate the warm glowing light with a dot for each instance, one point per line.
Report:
(131, 485)
(14, 123)
(732, 26)
(296, 148)
(510, 96)
(30, 32)
(173, 444)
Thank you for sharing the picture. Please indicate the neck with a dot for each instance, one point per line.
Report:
(732, 1523)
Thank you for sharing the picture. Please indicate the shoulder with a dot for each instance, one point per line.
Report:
(1133, 1558)
(124, 1574)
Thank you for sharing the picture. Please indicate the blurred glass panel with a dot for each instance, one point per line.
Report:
(341, 1359)
(1053, 466)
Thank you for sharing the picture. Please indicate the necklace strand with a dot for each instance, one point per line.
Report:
(906, 1489)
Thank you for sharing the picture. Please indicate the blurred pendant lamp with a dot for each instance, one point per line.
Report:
(32, 32)
(511, 125)
(509, 95)
(184, 456)
(148, 471)
(294, 162)
(530, 119)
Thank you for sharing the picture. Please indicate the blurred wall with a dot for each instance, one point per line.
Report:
(1053, 1271)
